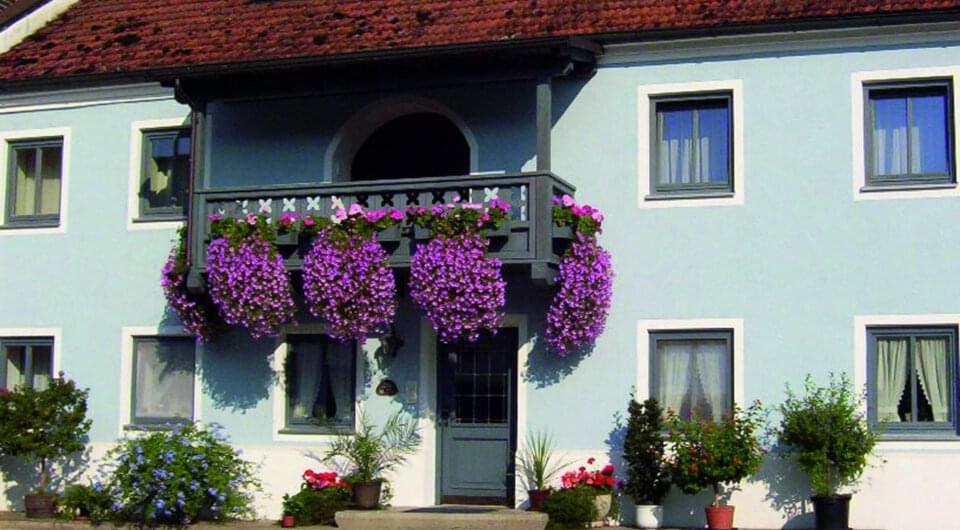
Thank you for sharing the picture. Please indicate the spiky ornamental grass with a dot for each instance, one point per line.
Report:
(195, 312)
(579, 310)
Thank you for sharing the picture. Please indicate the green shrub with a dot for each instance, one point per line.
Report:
(571, 507)
(828, 433)
(84, 501)
(316, 506)
(648, 477)
(186, 474)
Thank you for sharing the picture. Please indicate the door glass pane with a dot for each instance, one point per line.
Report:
(164, 379)
(26, 184)
(928, 136)
(320, 382)
(51, 164)
(714, 144)
(42, 366)
(889, 136)
(16, 363)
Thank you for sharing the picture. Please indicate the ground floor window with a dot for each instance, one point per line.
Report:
(26, 362)
(912, 378)
(163, 383)
(692, 372)
(320, 377)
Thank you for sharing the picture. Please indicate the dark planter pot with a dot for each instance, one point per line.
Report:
(832, 512)
(719, 517)
(40, 506)
(538, 498)
(366, 495)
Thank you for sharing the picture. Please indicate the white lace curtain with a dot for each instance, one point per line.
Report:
(694, 376)
(684, 144)
(164, 379)
(930, 364)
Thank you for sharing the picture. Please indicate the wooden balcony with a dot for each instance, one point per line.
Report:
(525, 239)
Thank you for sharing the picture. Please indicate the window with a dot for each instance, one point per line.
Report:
(909, 136)
(164, 174)
(692, 372)
(692, 149)
(163, 383)
(912, 377)
(33, 183)
(320, 378)
(26, 362)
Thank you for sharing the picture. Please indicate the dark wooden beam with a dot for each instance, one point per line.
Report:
(544, 122)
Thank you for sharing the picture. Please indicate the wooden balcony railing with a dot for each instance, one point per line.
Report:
(526, 238)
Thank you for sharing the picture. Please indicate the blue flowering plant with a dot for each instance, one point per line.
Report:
(186, 474)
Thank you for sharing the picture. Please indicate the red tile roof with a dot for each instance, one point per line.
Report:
(126, 36)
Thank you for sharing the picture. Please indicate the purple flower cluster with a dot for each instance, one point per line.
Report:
(250, 285)
(194, 312)
(349, 284)
(460, 289)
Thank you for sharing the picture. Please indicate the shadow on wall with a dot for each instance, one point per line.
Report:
(236, 371)
(788, 491)
(545, 368)
(20, 476)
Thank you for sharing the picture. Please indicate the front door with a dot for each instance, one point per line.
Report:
(477, 389)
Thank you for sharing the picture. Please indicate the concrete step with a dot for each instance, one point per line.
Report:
(448, 517)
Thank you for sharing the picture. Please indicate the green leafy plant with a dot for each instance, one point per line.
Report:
(571, 507)
(537, 461)
(827, 432)
(648, 476)
(316, 506)
(712, 455)
(84, 501)
(44, 426)
(372, 454)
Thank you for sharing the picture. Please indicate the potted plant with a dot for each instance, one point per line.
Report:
(827, 432)
(648, 478)
(371, 455)
(600, 484)
(707, 454)
(43, 426)
(84, 503)
(539, 468)
(292, 505)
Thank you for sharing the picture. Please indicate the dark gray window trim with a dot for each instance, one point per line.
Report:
(30, 221)
(690, 191)
(914, 430)
(292, 427)
(29, 342)
(689, 334)
(156, 423)
(146, 214)
(907, 181)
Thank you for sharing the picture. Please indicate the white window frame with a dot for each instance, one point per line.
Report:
(33, 333)
(279, 389)
(8, 137)
(646, 327)
(137, 130)
(127, 335)
(646, 94)
(857, 82)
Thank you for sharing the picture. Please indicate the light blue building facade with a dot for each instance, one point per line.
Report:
(797, 262)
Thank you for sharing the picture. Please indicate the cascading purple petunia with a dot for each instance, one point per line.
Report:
(579, 310)
(194, 311)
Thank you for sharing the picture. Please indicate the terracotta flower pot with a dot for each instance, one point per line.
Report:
(537, 499)
(719, 517)
(287, 521)
(40, 506)
(366, 495)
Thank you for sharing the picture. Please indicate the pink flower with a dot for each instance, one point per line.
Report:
(568, 201)
(396, 215)
(355, 209)
(597, 216)
(251, 219)
(339, 215)
(215, 217)
(471, 206)
(308, 221)
(590, 462)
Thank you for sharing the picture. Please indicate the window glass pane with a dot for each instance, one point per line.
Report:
(889, 135)
(933, 369)
(693, 377)
(928, 135)
(42, 358)
(164, 379)
(675, 146)
(714, 144)
(320, 382)
(51, 163)
(893, 383)
(16, 364)
(167, 170)
(26, 182)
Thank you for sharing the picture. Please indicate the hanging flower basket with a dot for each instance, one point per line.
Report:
(196, 312)
(248, 281)
(347, 280)
(579, 310)
(459, 288)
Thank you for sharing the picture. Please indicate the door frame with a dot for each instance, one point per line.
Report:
(428, 399)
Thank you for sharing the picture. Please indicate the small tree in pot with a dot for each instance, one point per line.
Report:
(648, 478)
(371, 455)
(43, 426)
(827, 432)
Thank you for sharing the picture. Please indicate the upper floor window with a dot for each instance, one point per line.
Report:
(320, 377)
(34, 180)
(164, 174)
(26, 362)
(163, 382)
(692, 372)
(909, 133)
(911, 379)
(692, 147)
